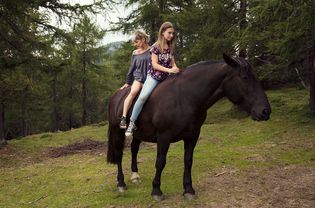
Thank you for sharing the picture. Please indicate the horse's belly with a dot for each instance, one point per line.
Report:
(145, 136)
(152, 138)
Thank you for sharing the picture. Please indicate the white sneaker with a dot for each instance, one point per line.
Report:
(129, 131)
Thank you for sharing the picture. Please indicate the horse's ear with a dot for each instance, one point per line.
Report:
(230, 60)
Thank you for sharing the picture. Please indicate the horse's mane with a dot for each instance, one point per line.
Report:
(200, 63)
(194, 67)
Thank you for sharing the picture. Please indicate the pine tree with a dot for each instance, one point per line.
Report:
(87, 36)
(24, 26)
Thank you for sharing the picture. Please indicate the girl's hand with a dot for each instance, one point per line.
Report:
(124, 86)
(174, 70)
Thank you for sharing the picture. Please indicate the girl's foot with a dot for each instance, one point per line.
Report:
(129, 131)
(123, 123)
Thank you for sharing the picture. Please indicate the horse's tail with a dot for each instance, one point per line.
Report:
(116, 140)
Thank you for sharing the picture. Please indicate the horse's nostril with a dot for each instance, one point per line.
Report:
(265, 112)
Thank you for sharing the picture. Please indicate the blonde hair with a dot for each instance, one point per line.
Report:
(141, 35)
(161, 42)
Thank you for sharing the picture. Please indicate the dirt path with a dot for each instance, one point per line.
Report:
(289, 186)
(85, 146)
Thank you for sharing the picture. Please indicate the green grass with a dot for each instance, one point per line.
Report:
(228, 139)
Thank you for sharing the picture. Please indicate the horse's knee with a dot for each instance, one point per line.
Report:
(160, 163)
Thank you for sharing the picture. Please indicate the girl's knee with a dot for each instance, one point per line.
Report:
(133, 94)
(143, 98)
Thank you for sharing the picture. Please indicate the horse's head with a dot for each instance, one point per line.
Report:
(243, 88)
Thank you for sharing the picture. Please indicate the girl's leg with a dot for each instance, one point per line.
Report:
(135, 89)
(146, 91)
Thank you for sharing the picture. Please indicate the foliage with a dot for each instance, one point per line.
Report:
(275, 31)
(281, 34)
(29, 66)
(52, 79)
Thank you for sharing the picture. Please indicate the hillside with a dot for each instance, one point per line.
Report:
(237, 163)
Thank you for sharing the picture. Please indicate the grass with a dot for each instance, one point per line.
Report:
(228, 139)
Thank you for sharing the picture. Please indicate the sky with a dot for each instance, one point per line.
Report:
(102, 22)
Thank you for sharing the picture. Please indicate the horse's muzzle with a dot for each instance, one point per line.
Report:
(262, 114)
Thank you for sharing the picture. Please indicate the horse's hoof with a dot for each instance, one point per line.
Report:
(189, 196)
(135, 181)
(158, 198)
(122, 189)
(135, 178)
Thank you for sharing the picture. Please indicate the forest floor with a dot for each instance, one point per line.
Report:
(237, 163)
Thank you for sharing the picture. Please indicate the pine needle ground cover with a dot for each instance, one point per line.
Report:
(237, 163)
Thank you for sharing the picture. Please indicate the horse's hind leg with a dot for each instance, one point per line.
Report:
(119, 147)
(135, 178)
(189, 146)
(120, 178)
(162, 149)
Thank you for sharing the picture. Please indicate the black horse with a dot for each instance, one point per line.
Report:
(177, 109)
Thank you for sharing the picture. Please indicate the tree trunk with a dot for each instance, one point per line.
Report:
(84, 94)
(243, 25)
(23, 114)
(2, 116)
(152, 32)
(70, 95)
(312, 80)
(54, 98)
(84, 89)
(161, 11)
(2, 133)
(312, 91)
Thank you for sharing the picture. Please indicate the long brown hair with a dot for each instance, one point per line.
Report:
(161, 42)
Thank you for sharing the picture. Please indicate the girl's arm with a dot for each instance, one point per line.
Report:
(173, 63)
(129, 77)
(159, 67)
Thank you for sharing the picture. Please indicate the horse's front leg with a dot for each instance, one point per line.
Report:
(120, 178)
(135, 177)
(162, 149)
(189, 146)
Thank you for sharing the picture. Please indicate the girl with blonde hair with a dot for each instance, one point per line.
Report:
(163, 64)
(137, 73)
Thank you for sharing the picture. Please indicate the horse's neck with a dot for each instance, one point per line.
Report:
(205, 87)
(217, 95)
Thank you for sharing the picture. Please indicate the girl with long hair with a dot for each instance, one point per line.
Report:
(140, 62)
(163, 64)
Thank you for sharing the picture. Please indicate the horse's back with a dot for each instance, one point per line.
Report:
(165, 110)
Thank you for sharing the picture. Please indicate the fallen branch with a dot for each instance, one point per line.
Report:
(42, 197)
(300, 78)
(219, 174)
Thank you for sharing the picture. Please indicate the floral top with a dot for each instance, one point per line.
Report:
(164, 59)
